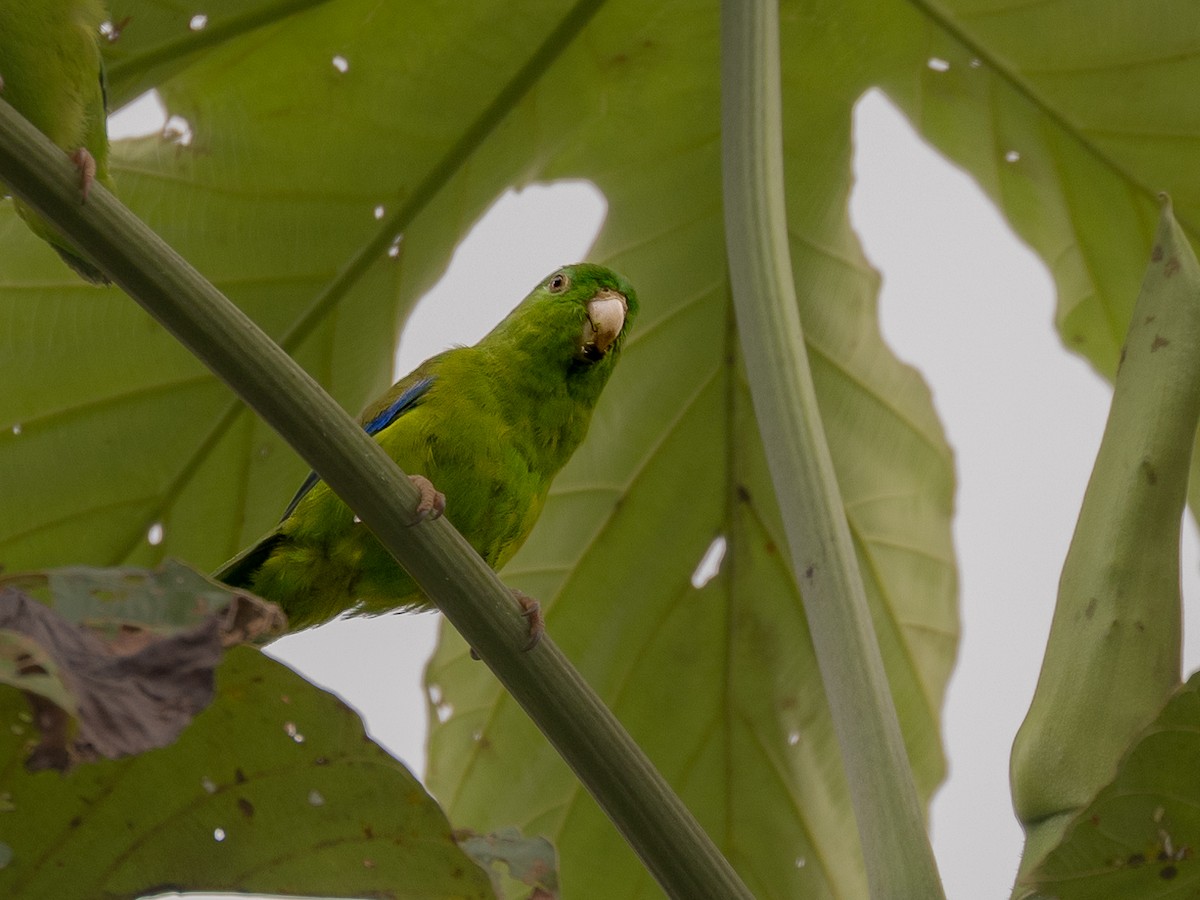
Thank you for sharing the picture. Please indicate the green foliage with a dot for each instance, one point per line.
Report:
(115, 429)
(275, 788)
(274, 199)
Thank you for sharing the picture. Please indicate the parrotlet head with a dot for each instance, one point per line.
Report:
(580, 314)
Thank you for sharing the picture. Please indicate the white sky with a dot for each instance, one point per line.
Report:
(969, 306)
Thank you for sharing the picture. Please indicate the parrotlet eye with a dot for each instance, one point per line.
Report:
(558, 283)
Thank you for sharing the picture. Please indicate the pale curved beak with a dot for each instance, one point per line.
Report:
(605, 319)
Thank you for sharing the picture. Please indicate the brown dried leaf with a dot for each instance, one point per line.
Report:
(118, 687)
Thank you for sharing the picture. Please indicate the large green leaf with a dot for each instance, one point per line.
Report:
(1072, 116)
(717, 683)
(275, 198)
(274, 789)
(300, 129)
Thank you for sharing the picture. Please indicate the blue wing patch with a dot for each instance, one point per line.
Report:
(402, 404)
(399, 406)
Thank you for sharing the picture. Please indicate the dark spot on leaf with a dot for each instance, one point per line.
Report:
(321, 761)
(808, 573)
(75, 822)
(771, 548)
(1091, 608)
(1157, 253)
(1171, 267)
(1158, 343)
(245, 807)
(1147, 468)
(1135, 860)
(742, 493)
(368, 832)
(1095, 821)
(1140, 626)
(1168, 872)
(1121, 361)
(1148, 320)
(239, 776)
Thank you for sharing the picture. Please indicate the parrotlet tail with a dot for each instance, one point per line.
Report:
(239, 571)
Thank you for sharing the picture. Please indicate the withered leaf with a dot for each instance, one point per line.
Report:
(107, 685)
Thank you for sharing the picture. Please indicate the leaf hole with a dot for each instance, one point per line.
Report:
(710, 563)
(178, 130)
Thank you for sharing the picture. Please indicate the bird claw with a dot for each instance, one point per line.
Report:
(86, 164)
(531, 610)
(433, 501)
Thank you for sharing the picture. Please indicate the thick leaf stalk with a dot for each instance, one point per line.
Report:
(898, 857)
(611, 766)
(1113, 655)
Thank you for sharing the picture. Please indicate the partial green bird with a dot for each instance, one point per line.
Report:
(490, 425)
(51, 72)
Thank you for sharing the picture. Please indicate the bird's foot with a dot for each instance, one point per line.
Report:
(433, 501)
(531, 610)
(86, 164)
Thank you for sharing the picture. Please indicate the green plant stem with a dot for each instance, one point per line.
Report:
(899, 859)
(611, 766)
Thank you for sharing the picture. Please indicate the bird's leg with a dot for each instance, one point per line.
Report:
(86, 165)
(433, 501)
(531, 610)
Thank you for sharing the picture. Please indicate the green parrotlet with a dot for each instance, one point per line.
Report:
(51, 73)
(488, 425)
